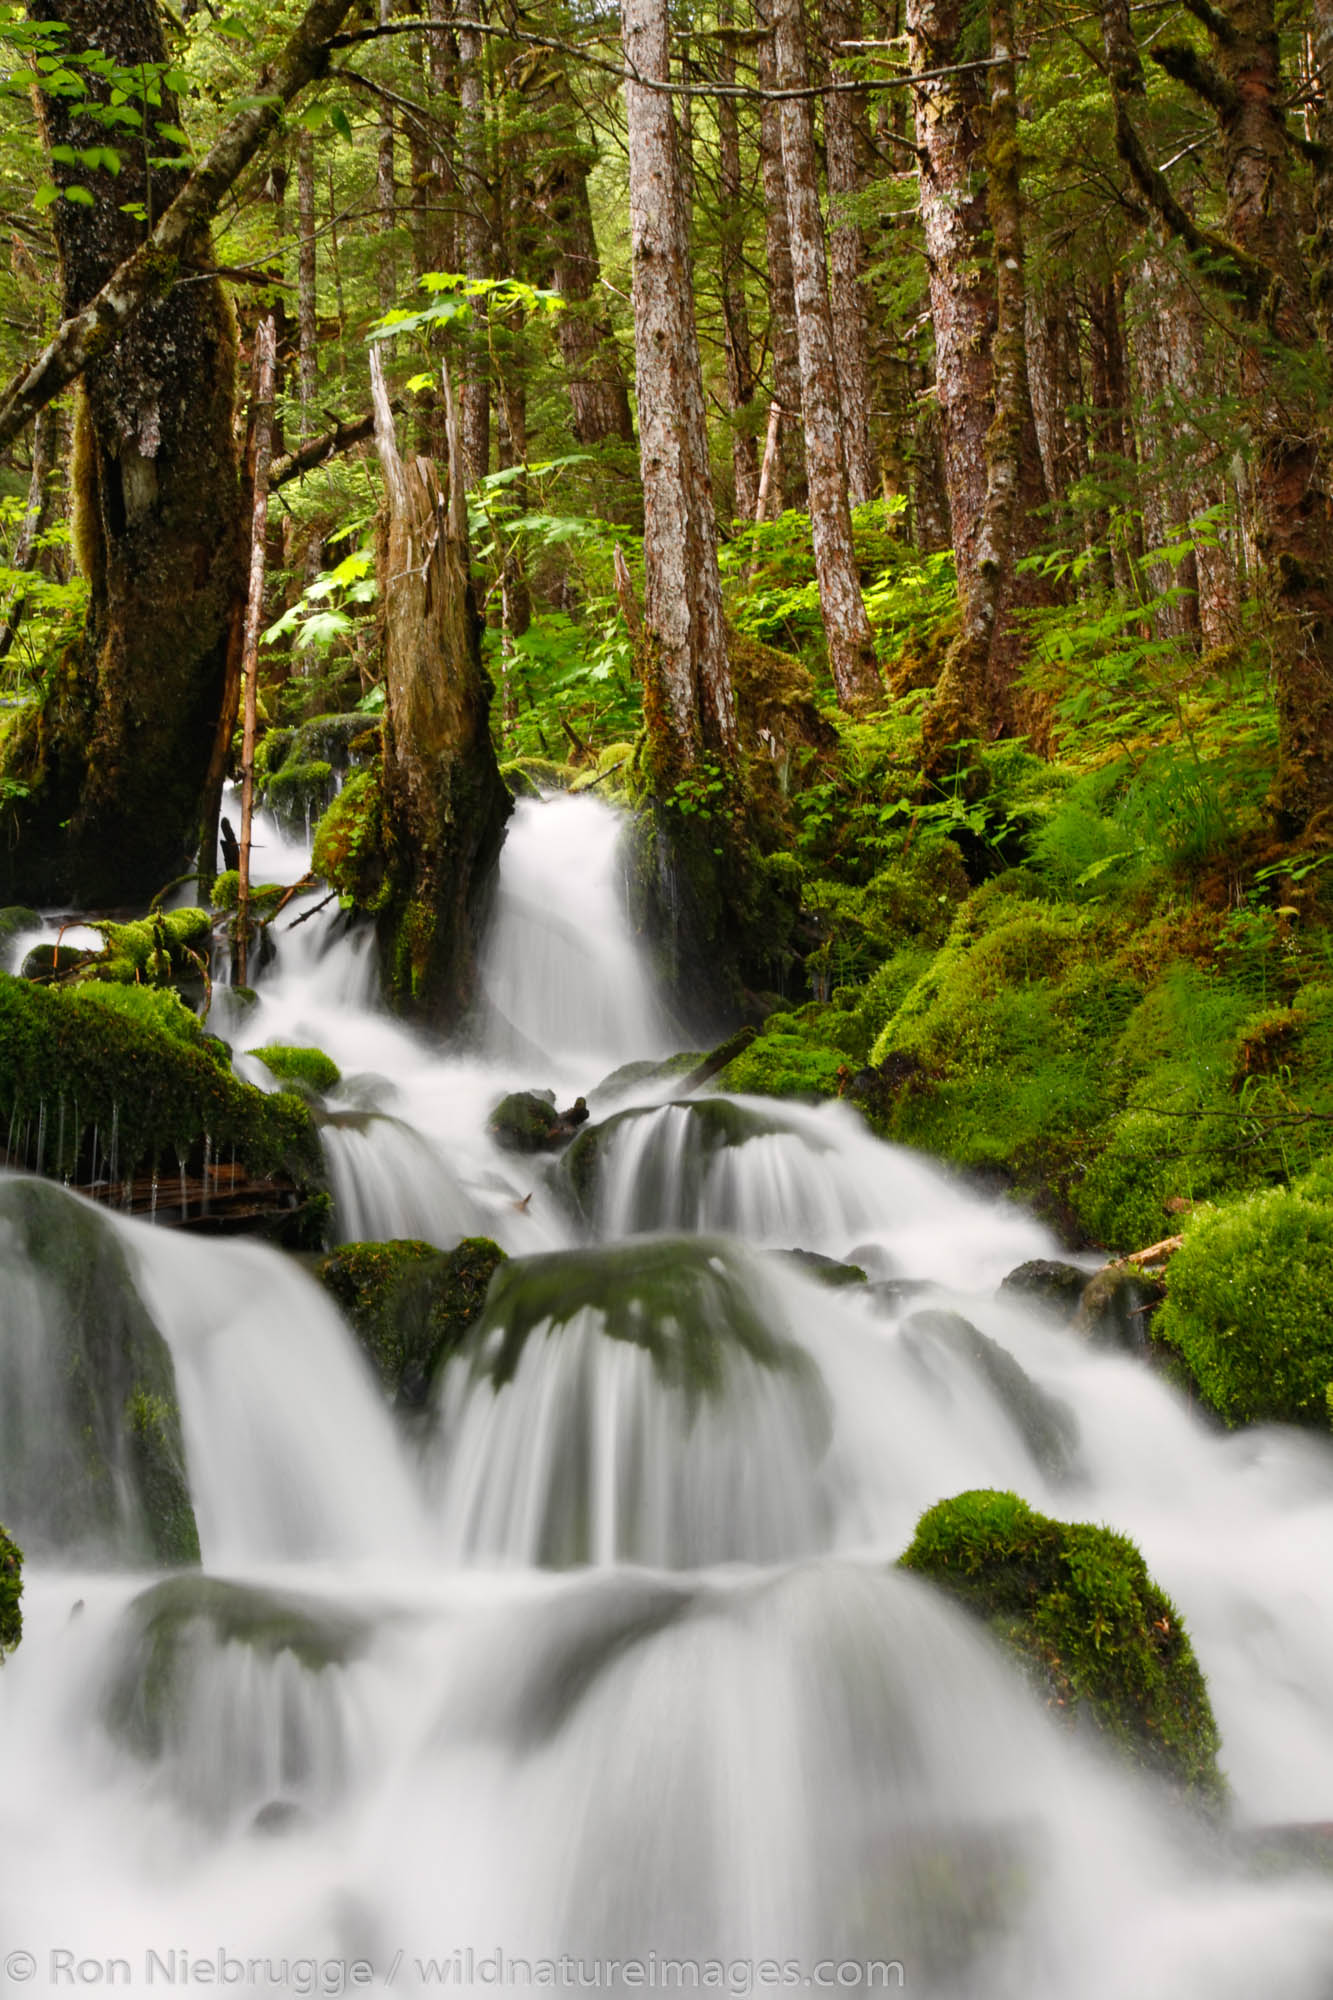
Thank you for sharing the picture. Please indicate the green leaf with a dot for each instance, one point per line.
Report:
(80, 196)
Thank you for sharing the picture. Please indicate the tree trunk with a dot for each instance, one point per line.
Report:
(262, 422)
(976, 692)
(844, 147)
(478, 234)
(790, 479)
(444, 801)
(741, 383)
(36, 517)
(386, 264)
(116, 756)
(598, 393)
(306, 297)
(688, 700)
(851, 643)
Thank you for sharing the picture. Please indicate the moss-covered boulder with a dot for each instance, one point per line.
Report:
(791, 1058)
(1248, 1307)
(91, 1455)
(534, 777)
(264, 896)
(11, 1593)
(527, 1121)
(689, 1302)
(1047, 1426)
(99, 1083)
(350, 842)
(1098, 1638)
(308, 1069)
(670, 1172)
(410, 1305)
(825, 1270)
(297, 794)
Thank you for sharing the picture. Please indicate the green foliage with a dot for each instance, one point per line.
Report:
(1075, 1603)
(156, 949)
(789, 1059)
(11, 1593)
(1248, 1306)
(310, 1069)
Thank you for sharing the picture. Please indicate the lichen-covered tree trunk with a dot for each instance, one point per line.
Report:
(478, 235)
(444, 802)
(688, 697)
(741, 380)
(116, 754)
(851, 643)
(306, 307)
(598, 392)
(790, 470)
(976, 693)
(844, 146)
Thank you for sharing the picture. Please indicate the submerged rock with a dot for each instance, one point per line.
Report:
(91, 1455)
(826, 1270)
(1114, 1309)
(1047, 1283)
(410, 1305)
(1047, 1426)
(676, 1166)
(1097, 1637)
(309, 1068)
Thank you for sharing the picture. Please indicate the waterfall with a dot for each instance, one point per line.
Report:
(603, 1661)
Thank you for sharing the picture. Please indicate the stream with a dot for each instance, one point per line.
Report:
(593, 1678)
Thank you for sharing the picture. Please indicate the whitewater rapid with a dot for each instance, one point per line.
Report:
(580, 1673)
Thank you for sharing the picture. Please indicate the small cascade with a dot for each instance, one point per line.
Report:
(564, 977)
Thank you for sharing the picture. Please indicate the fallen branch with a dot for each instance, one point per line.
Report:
(1155, 1253)
(327, 445)
(306, 915)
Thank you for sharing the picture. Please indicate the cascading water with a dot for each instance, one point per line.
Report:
(603, 1662)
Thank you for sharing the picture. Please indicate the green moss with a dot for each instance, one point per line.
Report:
(909, 900)
(104, 1471)
(157, 949)
(1247, 1305)
(525, 1121)
(78, 1070)
(298, 793)
(16, 919)
(1077, 1606)
(264, 896)
(788, 1059)
(410, 1305)
(532, 777)
(11, 1593)
(309, 1068)
(349, 845)
(158, 1008)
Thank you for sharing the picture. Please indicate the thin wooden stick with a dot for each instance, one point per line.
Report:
(266, 352)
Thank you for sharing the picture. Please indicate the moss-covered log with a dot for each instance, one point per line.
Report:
(410, 1304)
(115, 754)
(443, 803)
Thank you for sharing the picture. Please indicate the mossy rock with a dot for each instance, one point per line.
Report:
(1043, 1281)
(687, 1301)
(326, 739)
(1047, 1426)
(1098, 1638)
(410, 1305)
(11, 1593)
(16, 919)
(160, 1660)
(525, 1122)
(56, 961)
(349, 849)
(713, 1124)
(82, 1071)
(1247, 1305)
(825, 1270)
(297, 794)
(91, 1455)
(631, 1074)
(534, 777)
(309, 1069)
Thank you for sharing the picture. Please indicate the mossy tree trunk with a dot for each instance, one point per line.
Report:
(789, 473)
(116, 754)
(444, 801)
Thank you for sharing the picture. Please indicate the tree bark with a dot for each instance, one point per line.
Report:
(478, 236)
(262, 420)
(387, 220)
(444, 802)
(741, 382)
(306, 296)
(36, 517)
(790, 477)
(851, 643)
(844, 148)
(115, 756)
(689, 705)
